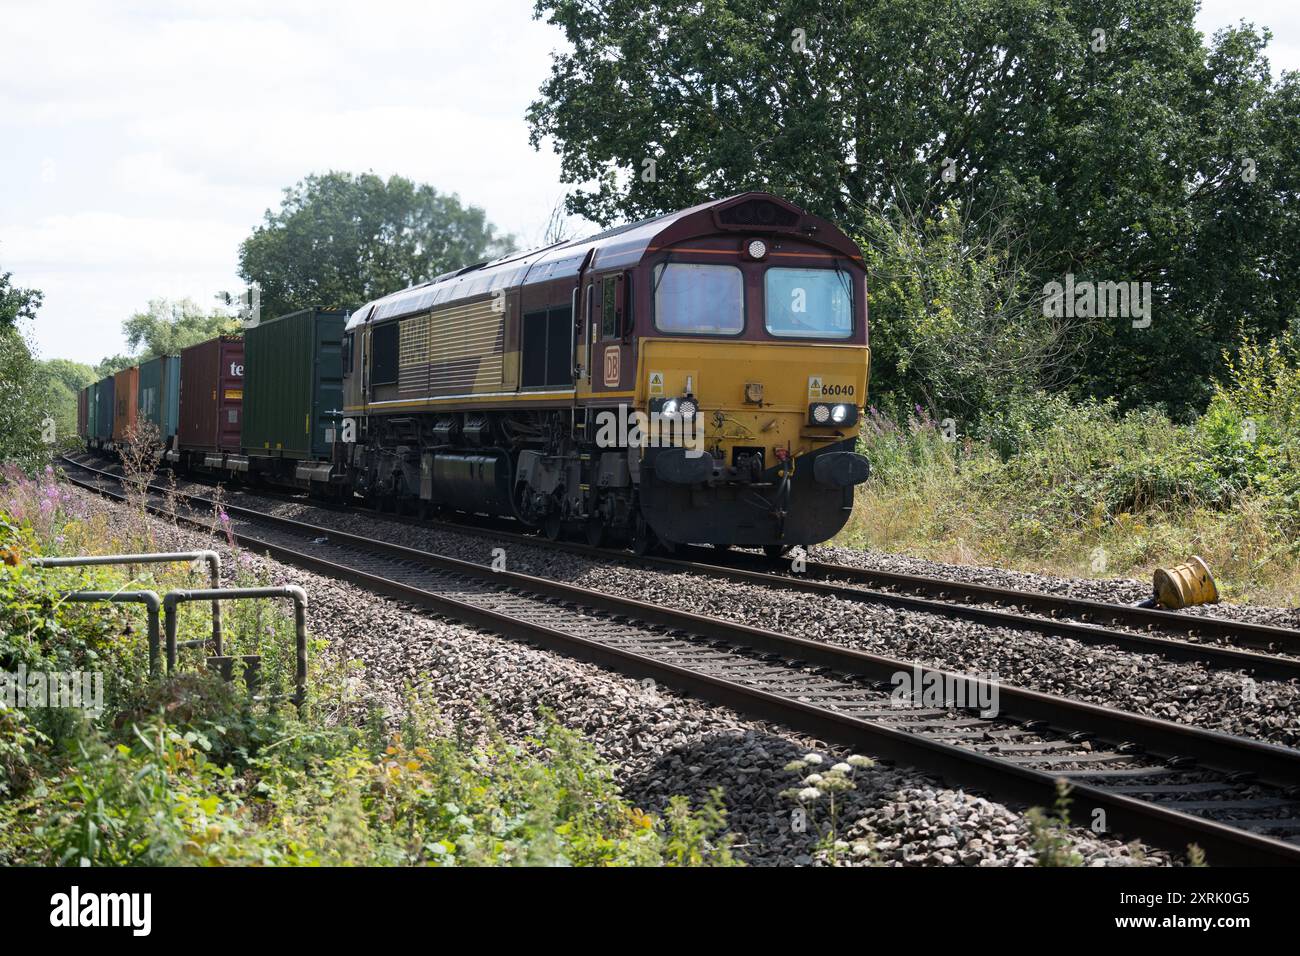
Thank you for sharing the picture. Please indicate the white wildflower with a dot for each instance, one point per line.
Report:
(842, 768)
(809, 793)
(812, 758)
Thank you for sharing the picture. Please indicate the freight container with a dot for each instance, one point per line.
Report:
(104, 411)
(81, 412)
(159, 395)
(92, 400)
(294, 385)
(211, 396)
(126, 385)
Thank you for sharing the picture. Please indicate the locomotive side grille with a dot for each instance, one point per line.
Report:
(413, 352)
(452, 350)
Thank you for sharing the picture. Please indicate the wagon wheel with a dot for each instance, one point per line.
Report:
(775, 551)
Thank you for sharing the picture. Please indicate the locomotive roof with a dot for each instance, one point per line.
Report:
(623, 246)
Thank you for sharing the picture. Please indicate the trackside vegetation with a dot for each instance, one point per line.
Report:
(190, 770)
(1043, 484)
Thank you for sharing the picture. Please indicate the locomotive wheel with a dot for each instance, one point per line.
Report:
(595, 532)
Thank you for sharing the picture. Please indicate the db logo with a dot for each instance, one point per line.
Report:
(612, 366)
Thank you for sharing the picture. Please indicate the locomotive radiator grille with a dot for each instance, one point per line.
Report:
(453, 350)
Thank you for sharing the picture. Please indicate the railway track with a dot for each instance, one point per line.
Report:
(1168, 783)
(1260, 651)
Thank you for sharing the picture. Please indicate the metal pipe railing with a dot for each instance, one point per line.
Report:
(293, 592)
(148, 598)
(211, 557)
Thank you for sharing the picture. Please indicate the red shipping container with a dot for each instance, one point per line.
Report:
(212, 395)
(125, 385)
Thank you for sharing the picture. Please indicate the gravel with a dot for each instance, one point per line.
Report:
(660, 743)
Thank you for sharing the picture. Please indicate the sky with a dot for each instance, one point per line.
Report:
(141, 142)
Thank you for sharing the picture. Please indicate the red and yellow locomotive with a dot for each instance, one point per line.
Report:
(697, 377)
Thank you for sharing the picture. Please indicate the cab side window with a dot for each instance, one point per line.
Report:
(383, 357)
(609, 308)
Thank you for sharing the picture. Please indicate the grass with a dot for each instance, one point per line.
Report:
(1084, 491)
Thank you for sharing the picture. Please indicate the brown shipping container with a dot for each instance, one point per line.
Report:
(125, 385)
(212, 395)
(81, 412)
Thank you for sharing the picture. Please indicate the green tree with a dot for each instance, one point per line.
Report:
(169, 325)
(1122, 157)
(340, 240)
(953, 327)
(25, 403)
(113, 364)
(63, 379)
(16, 303)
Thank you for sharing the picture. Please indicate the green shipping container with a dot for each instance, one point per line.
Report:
(160, 394)
(92, 409)
(293, 384)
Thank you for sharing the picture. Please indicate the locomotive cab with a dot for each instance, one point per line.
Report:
(758, 331)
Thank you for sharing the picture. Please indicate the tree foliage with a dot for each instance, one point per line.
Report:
(16, 303)
(952, 325)
(169, 325)
(25, 402)
(340, 240)
(62, 379)
(1156, 158)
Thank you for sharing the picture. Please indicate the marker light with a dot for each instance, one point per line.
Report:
(821, 414)
(839, 413)
(757, 249)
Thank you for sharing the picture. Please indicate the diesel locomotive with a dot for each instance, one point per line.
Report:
(734, 333)
(693, 378)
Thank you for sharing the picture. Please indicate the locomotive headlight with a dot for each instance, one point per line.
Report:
(669, 407)
(757, 248)
(824, 413)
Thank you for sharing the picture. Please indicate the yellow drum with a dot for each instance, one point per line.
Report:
(1185, 585)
